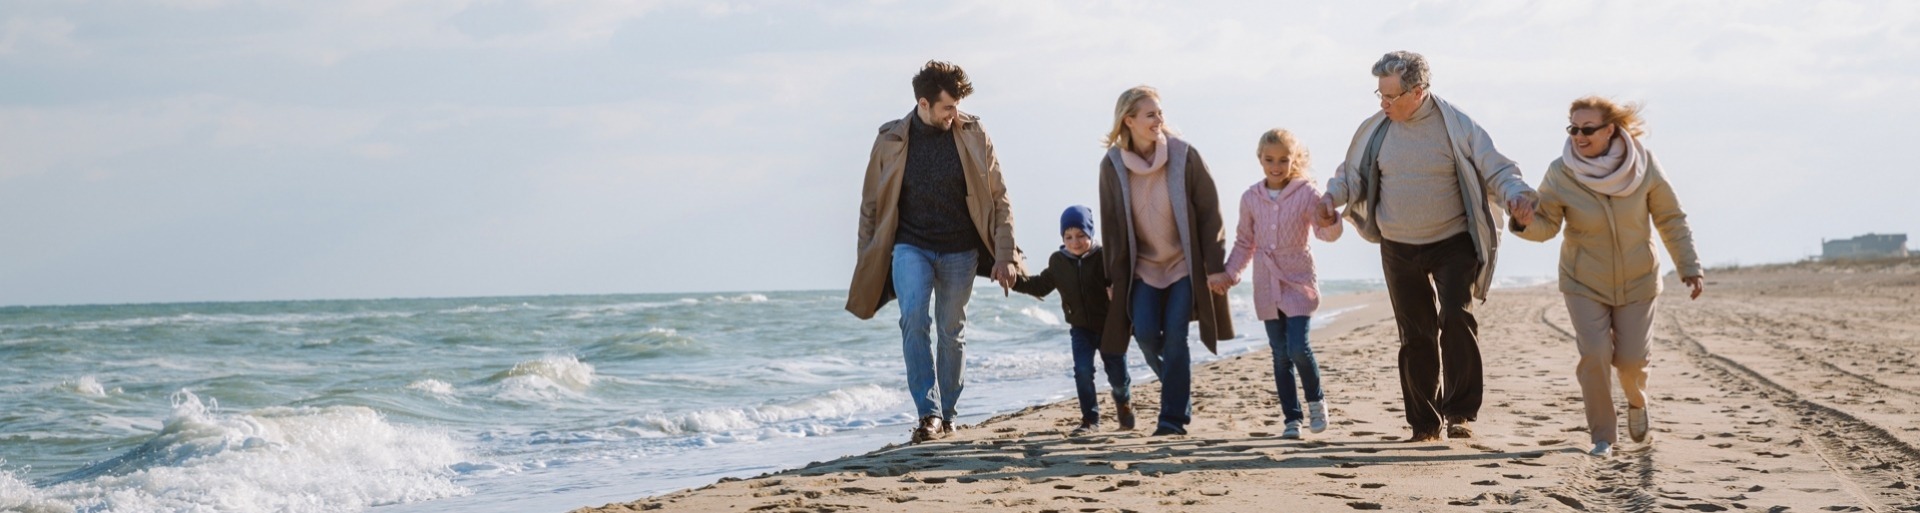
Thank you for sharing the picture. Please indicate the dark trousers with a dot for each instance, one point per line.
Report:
(1431, 286)
(1086, 349)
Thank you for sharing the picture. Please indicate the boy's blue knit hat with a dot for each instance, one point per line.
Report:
(1077, 216)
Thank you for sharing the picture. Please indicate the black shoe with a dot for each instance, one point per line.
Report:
(1124, 413)
(931, 428)
(1164, 431)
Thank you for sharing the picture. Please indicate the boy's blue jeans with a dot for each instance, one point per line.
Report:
(1288, 338)
(1160, 318)
(933, 287)
(1086, 346)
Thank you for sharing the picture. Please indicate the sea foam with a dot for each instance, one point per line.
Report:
(341, 458)
(538, 380)
(813, 415)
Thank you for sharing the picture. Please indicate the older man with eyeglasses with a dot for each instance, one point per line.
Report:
(1424, 181)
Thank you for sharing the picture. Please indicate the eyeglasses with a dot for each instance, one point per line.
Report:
(1584, 130)
(1389, 98)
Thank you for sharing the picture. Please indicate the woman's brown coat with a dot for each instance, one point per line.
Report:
(1205, 238)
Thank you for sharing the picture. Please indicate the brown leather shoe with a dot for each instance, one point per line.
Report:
(931, 428)
(1420, 437)
(1123, 412)
(1459, 429)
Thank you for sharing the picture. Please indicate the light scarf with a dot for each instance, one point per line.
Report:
(1616, 173)
(1140, 165)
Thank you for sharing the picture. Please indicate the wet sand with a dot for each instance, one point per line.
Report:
(1785, 388)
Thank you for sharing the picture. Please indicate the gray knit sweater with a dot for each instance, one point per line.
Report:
(1419, 189)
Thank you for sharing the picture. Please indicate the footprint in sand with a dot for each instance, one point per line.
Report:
(1371, 486)
(1331, 475)
(1363, 505)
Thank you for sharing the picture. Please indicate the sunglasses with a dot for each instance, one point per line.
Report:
(1584, 130)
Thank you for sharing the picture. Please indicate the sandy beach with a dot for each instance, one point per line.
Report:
(1785, 388)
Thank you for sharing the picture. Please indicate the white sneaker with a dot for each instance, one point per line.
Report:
(1293, 430)
(1317, 416)
(1601, 450)
(1637, 426)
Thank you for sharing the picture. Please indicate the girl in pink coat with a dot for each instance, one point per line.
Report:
(1275, 215)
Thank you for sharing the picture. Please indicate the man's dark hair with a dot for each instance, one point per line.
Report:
(939, 76)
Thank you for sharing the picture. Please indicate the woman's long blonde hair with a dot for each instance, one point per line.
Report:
(1119, 136)
(1623, 115)
(1301, 158)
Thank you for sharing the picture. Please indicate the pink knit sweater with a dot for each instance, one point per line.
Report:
(1273, 233)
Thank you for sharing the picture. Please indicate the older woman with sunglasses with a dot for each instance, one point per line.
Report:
(1609, 195)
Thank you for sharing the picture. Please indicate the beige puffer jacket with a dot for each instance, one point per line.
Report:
(1607, 251)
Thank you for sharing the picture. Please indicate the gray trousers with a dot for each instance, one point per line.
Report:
(1610, 336)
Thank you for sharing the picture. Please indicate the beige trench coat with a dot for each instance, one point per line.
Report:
(880, 209)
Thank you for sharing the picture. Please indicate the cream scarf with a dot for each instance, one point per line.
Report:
(1616, 173)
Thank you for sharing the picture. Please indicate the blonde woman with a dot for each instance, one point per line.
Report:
(1161, 227)
(1275, 215)
(1609, 195)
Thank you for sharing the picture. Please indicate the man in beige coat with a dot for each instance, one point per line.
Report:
(933, 214)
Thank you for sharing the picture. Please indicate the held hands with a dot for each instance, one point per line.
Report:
(1326, 216)
(1699, 285)
(1522, 208)
(1220, 282)
(1004, 274)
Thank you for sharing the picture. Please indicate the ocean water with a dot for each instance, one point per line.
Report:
(511, 404)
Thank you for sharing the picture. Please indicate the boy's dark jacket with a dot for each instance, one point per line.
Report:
(1082, 281)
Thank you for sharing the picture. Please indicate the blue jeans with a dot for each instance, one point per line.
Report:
(1288, 338)
(933, 287)
(1086, 345)
(1160, 318)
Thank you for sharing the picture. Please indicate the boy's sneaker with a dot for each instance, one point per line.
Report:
(1317, 416)
(1086, 428)
(1637, 426)
(1124, 412)
(931, 428)
(1293, 430)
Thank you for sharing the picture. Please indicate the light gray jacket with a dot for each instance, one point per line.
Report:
(1487, 180)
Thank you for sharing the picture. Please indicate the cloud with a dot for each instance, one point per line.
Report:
(37, 35)
(386, 147)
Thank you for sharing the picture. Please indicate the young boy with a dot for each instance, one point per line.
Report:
(1077, 271)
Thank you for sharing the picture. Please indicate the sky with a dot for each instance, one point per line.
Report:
(216, 150)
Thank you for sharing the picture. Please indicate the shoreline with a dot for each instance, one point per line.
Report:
(1780, 390)
(1350, 312)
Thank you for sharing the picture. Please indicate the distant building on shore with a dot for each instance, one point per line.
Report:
(1889, 245)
